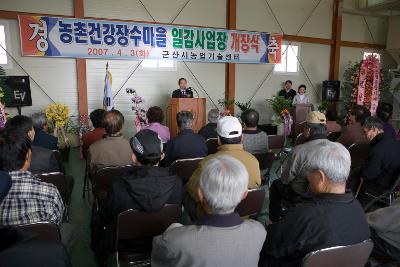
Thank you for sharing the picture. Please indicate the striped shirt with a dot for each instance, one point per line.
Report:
(30, 200)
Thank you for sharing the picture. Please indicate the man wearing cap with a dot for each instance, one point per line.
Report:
(229, 132)
(147, 187)
(293, 185)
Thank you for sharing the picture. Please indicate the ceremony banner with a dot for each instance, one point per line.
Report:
(44, 36)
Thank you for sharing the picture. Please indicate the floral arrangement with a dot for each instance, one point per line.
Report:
(138, 109)
(58, 117)
(84, 124)
(278, 105)
(243, 106)
(287, 121)
(3, 115)
(351, 83)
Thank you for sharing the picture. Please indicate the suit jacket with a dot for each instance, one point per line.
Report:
(216, 240)
(178, 94)
(45, 140)
(109, 151)
(43, 161)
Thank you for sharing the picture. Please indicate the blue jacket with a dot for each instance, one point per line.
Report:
(45, 140)
(186, 145)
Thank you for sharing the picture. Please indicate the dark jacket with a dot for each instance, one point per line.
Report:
(145, 188)
(45, 140)
(209, 131)
(43, 161)
(288, 95)
(383, 165)
(328, 220)
(178, 94)
(186, 145)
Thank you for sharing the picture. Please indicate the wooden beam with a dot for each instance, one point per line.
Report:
(230, 68)
(81, 68)
(336, 37)
(362, 45)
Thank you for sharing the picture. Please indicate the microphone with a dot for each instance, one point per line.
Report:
(192, 89)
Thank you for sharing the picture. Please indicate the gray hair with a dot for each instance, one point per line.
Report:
(223, 182)
(184, 120)
(39, 120)
(331, 158)
(213, 115)
(316, 128)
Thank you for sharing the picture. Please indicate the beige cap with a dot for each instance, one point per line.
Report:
(316, 117)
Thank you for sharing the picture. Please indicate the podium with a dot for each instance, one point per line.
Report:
(300, 112)
(195, 105)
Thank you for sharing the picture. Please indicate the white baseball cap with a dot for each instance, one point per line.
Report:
(229, 127)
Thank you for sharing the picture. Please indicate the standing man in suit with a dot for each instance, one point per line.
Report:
(182, 92)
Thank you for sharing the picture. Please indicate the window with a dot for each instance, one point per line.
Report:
(159, 65)
(377, 55)
(289, 63)
(5, 61)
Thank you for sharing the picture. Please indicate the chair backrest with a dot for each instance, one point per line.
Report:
(58, 157)
(300, 139)
(58, 179)
(102, 180)
(184, 168)
(276, 141)
(212, 145)
(252, 204)
(344, 256)
(265, 160)
(46, 231)
(133, 224)
(333, 136)
(358, 154)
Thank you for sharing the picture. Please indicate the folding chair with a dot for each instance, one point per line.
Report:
(141, 226)
(86, 183)
(57, 156)
(184, 168)
(102, 180)
(358, 154)
(333, 136)
(265, 160)
(252, 204)
(46, 231)
(277, 142)
(57, 179)
(212, 145)
(385, 197)
(344, 256)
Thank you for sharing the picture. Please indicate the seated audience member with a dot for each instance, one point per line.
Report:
(229, 132)
(5, 184)
(97, 118)
(186, 144)
(385, 231)
(301, 97)
(331, 124)
(43, 159)
(385, 112)
(219, 237)
(383, 164)
(287, 92)
(147, 181)
(29, 200)
(114, 149)
(42, 138)
(254, 140)
(155, 117)
(331, 218)
(353, 133)
(210, 129)
(293, 184)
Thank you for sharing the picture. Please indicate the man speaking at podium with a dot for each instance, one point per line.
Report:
(182, 92)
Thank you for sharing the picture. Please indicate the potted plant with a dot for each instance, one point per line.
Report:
(58, 116)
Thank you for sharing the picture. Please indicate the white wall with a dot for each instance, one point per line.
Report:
(58, 76)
